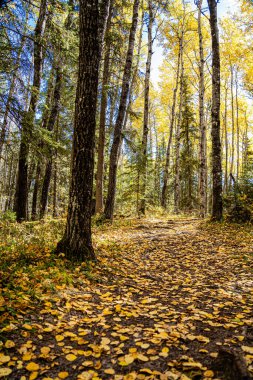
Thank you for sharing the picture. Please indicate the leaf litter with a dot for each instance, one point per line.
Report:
(164, 298)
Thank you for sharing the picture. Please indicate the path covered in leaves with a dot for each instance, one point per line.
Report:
(165, 297)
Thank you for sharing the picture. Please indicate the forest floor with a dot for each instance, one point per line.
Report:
(170, 298)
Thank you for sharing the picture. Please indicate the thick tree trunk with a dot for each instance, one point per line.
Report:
(21, 196)
(144, 157)
(51, 125)
(202, 125)
(76, 242)
(172, 122)
(114, 155)
(216, 145)
(102, 124)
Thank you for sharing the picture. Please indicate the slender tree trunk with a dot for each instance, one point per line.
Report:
(172, 122)
(202, 125)
(144, 158)
(76, 242)
(178, 133)
(114, 155)
(237, 127)
(28, 119)
(102, 124)
(216, 145)
(226, 140)
(51, 125)
(233, 125)
(104, 10)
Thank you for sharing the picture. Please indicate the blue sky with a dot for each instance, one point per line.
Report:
(224, 7)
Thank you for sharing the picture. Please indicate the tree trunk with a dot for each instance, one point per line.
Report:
(226, 141)
(114, 155)
(178, 133)
(216, 145)
(202, 125)
(144, 158)
(76, 242)
(102, 124)
(51, 125)
(237, 127)
(21, 196)
(233, 125)
(172, 122)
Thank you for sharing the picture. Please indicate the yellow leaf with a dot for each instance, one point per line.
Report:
(143, 358)
(45, 350)
(126, 360)
(63, 375)
(33, 375)
(192, 365)
(163, 335)
(5, 372)
(9, 344)
(109, 371)
(59, 338)
(71, 357)
(27, 327)
(32, 366)
(87, 363)
(208, 373)
(4, 358)
(26, 357)
(248, 349)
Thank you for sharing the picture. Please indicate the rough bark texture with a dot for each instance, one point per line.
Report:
(226, 141)
(114, 155)
(216, 145)
(102, 124)
(172, 122)
(76, 242)
(21, 195)
(232, 124)
(102, 25)
(144, 157)
(202, 125)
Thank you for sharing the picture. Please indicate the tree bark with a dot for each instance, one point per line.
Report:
(216, 145)
(178, 132)
(114, 155)
(226, 141)
(202, 125)
(51, 124)
(144, 157)
(76, 242)
(102, 124)
(233, 124)
(21, 196)
(172, 122)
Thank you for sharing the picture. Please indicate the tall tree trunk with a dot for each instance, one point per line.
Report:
(51, 125)
(104, 10)
(216, 145)
(44, 124)
(178, 133)
(202, 125)
(226, 140)
(144, 158)
(76, 242)
(172, 122)
(233, 125)
(114, 155)
(102, 123)
(237, 126)
(21, 196)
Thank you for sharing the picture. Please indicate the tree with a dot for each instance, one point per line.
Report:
(76, 242)
(21, 195)
(216, 144)
(114, 155)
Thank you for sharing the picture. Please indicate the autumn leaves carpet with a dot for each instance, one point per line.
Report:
(164, 300)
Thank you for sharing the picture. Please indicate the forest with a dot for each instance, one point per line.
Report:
(126, 189)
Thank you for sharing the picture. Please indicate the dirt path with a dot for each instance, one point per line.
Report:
(164, 298)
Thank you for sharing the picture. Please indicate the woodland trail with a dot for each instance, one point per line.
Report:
(162, 301)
